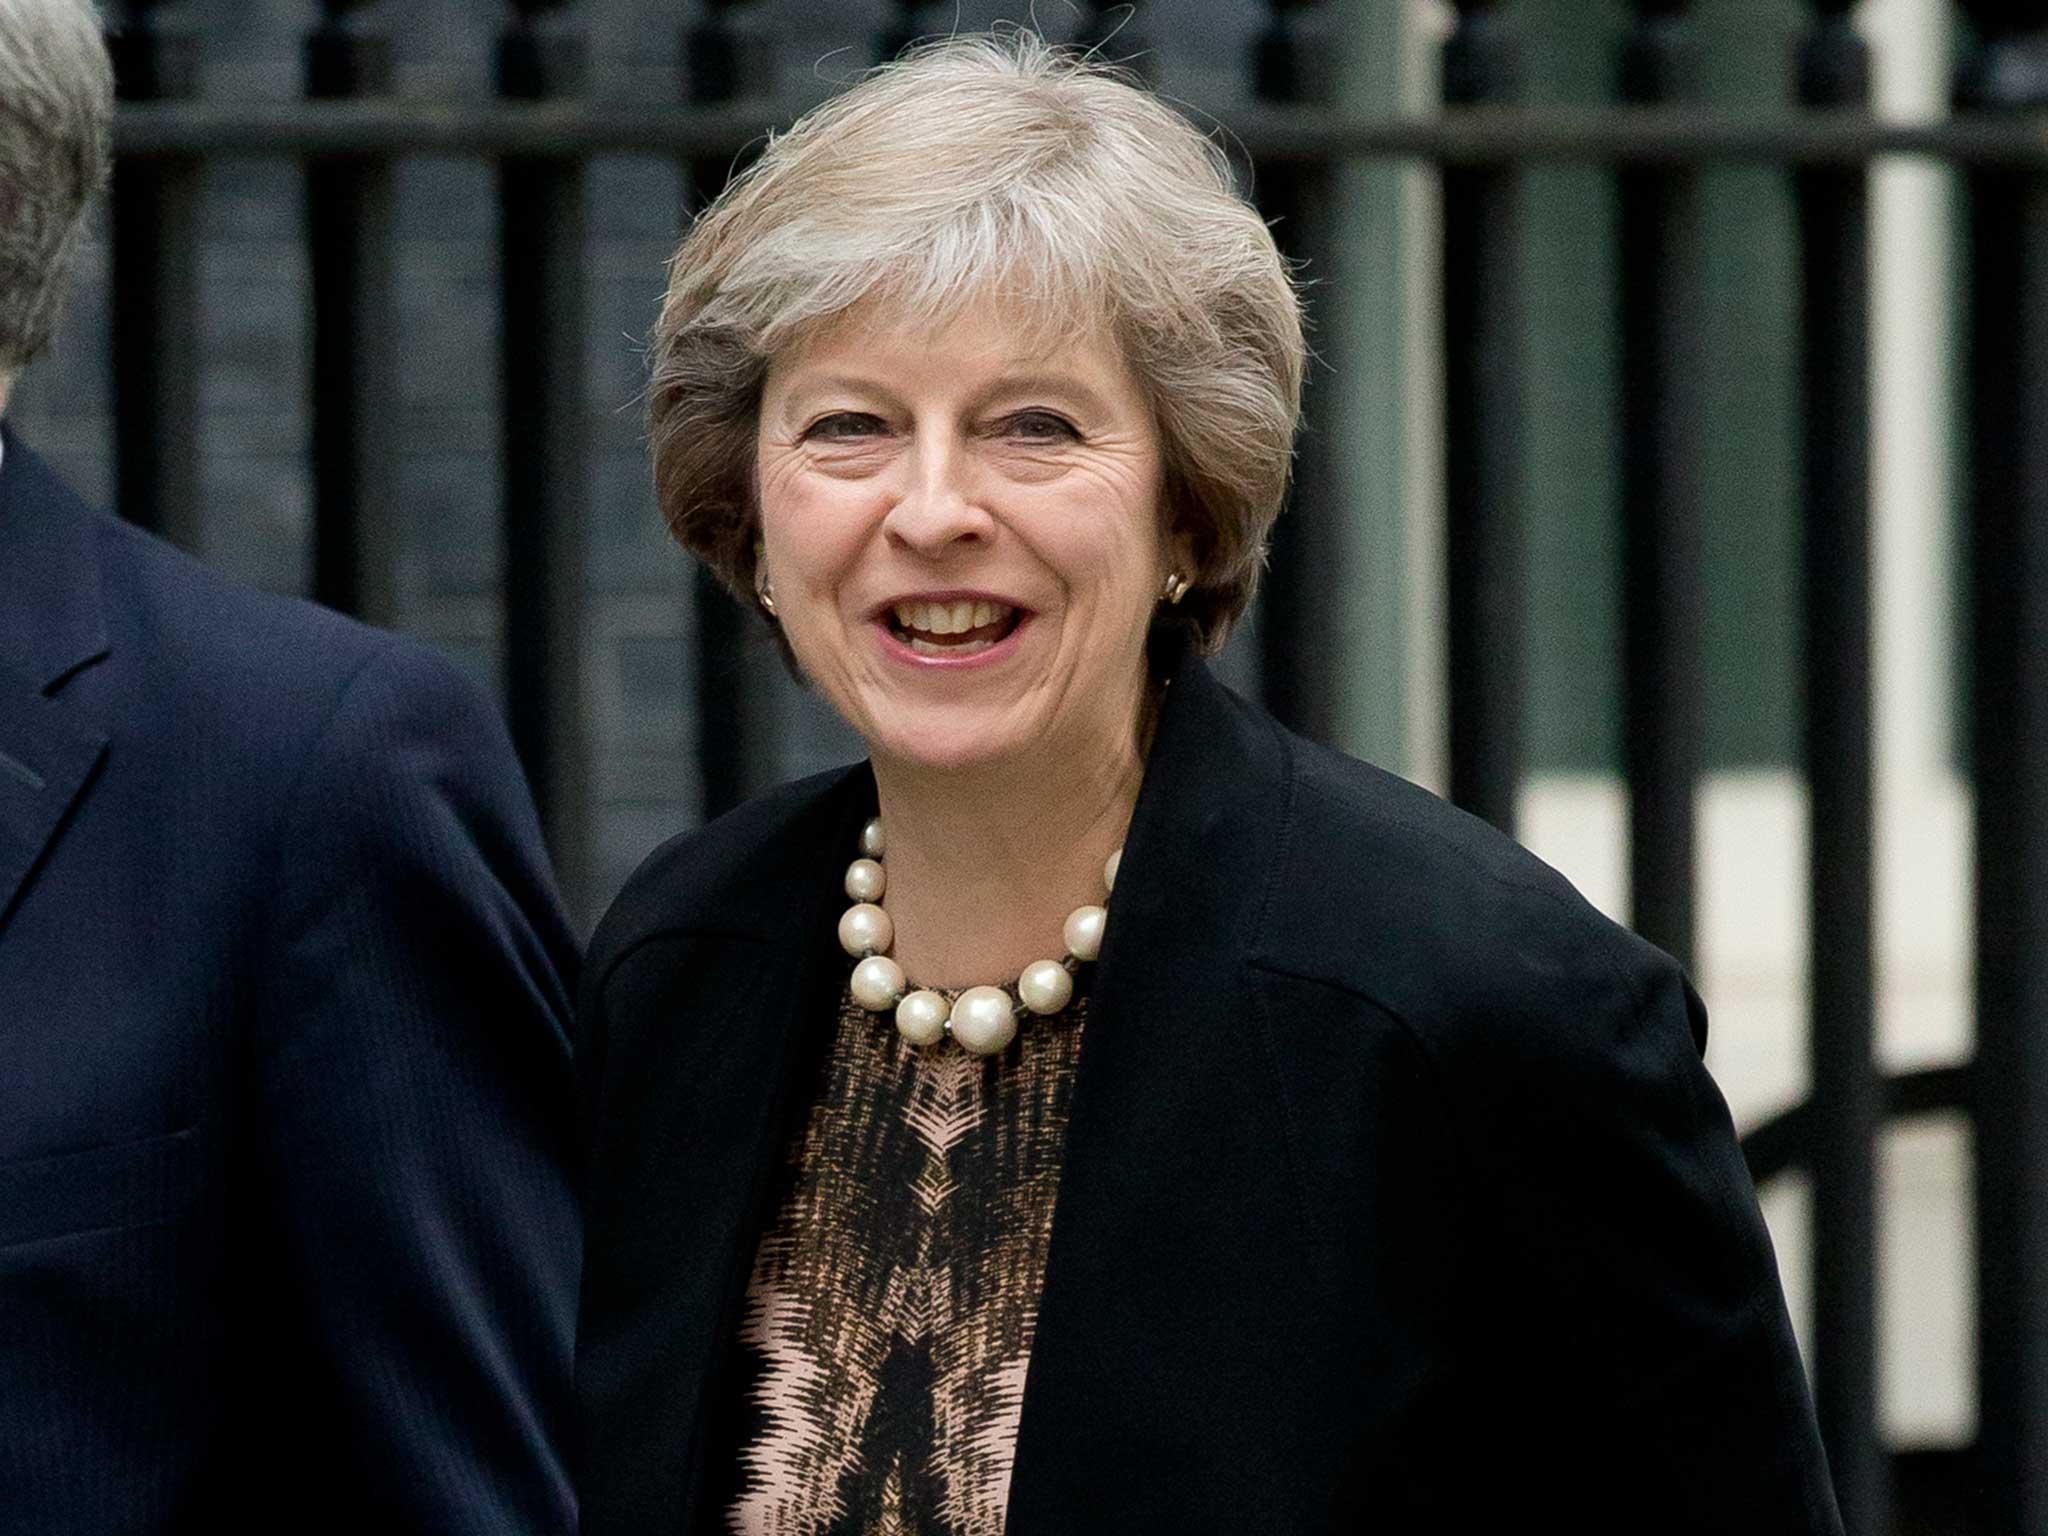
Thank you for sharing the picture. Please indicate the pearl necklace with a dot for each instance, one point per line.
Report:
(982, 1019)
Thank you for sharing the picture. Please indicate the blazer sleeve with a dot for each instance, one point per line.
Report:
(1636, 1282)
(408, 1157)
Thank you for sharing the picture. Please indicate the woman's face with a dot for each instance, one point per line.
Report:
(963, 536)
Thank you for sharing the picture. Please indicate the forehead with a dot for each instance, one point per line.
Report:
(987, 337)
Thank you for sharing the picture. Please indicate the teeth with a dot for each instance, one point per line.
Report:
(949, 618)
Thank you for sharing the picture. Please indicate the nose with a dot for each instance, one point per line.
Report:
(938, 508)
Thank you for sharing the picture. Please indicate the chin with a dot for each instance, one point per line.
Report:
(945, 743)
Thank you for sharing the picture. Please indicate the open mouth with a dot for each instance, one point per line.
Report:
(953, 629)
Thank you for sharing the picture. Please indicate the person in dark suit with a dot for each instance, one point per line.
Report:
(1102, 1110)
(287, 1236)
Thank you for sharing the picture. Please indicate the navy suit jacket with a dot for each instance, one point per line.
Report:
(1395, 1195)
(285, 1226)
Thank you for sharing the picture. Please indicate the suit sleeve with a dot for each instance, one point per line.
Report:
(409, 1157)
(1637, 1283)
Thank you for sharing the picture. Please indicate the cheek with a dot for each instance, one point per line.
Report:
(1113, 551)
(812, 530)
(779, 495)
(772, 476)
(814, 542)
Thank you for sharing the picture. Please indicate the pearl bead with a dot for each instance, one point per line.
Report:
(984, 1020)
(877, 983)
(865, 880)
(866, 930)
(1045, 986)
(1083, 931)
(921, 1018)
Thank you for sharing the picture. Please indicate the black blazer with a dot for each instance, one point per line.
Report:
(1396, 1197)
(287, 1232)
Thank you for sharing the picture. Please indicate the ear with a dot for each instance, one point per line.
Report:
(1179, 548)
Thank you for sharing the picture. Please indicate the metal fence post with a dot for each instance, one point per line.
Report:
(154, 208)
(547, 485)
(1484, 414)
(1834, 227)
(1297, 612)
(726, 59)
(2008, 333)
(355, 380)
(1660, 409)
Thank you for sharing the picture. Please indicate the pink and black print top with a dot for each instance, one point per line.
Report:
(888, 1322)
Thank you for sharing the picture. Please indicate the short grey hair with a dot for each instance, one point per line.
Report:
(994, 166)
(56, 125)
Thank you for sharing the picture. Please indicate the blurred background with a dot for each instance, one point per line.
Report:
(1674, 479)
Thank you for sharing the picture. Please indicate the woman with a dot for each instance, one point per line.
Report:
(1343, 1170)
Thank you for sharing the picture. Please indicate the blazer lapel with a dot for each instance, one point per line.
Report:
(51, 626)
(746, 1074)
(1177, 1199)
(46, 757)
(756, 994)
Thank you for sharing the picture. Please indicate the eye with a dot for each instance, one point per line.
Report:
(843, 427)
(1039, 427)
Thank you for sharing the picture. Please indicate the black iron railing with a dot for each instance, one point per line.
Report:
(541, 133)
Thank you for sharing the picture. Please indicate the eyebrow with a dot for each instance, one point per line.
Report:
(1059, 385)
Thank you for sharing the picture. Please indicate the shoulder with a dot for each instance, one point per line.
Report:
(188, 624)
(334, 742)
(264, 674)
(737, 874)
(1386, 891)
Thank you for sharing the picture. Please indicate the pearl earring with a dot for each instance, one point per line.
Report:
(1175, 589)
(764, 594)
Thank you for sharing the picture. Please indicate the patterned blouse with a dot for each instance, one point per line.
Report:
(888, 1322)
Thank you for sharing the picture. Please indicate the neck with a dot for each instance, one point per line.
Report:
(984, 866)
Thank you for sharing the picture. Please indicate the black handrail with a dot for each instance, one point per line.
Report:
(1529, 135)
(1785, 1142)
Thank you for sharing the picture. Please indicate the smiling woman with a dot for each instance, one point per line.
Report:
(983, 173)
(966, 535)
(1099, 1109)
